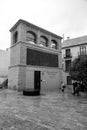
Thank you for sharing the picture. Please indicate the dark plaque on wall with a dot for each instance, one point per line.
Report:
(39, 58)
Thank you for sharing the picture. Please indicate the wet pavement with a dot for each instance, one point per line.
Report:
(49, 111)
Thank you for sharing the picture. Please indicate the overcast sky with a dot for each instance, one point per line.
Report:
(68, 17)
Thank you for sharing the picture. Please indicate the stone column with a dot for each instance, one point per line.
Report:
(49, 42)
(38, 38)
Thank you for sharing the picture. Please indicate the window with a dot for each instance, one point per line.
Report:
(67, 53)
(39, 58)
(83, 50)
(15, 37)
(54, 44)
(43, 41)
(67, 65)
(31, 36)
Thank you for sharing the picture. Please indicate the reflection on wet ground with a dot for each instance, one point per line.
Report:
(50, 111)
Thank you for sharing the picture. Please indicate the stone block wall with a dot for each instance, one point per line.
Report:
(15, 55)
(18, 74)
(13, 78)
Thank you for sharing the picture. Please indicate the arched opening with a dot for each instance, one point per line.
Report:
(54, 44)
(43, 41)
(15, 37)
(31, 36)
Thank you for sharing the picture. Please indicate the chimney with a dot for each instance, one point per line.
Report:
(63, 37)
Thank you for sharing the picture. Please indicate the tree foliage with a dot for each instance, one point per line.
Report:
(78, 70)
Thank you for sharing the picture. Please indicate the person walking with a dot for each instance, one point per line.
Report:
(77, 89)
(74, 86)
(63, 87)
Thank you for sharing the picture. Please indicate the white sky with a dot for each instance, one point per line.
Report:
(68, 17)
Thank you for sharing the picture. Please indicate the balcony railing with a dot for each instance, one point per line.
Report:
(82, 53)
(67, 56)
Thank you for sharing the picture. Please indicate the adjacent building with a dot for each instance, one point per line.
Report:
(4, 63)
(35, 58)
(71, 48)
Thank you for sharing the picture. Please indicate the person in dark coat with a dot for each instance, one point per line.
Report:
(74, 86)
(82, 86)
(77, 89)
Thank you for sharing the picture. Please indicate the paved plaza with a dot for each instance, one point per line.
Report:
(49, 111)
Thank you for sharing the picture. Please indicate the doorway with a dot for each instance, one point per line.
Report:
(69, 80)
(37, 80)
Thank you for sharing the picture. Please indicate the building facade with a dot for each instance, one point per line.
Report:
(4, 64)
(35, 58)
(71, 49)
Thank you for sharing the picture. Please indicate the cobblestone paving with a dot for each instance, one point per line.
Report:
(52, 111)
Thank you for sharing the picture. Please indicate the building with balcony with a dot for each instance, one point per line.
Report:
(35, 58)
(71, 48)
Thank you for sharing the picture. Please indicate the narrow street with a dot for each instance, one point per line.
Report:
(50, 111)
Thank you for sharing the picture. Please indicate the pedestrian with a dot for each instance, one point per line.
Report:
(77, 89)
(74, 86)
(82, 87)
(63, 87)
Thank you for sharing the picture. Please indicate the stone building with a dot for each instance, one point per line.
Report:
(71, 48)
(4, 64)
(35, 59)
